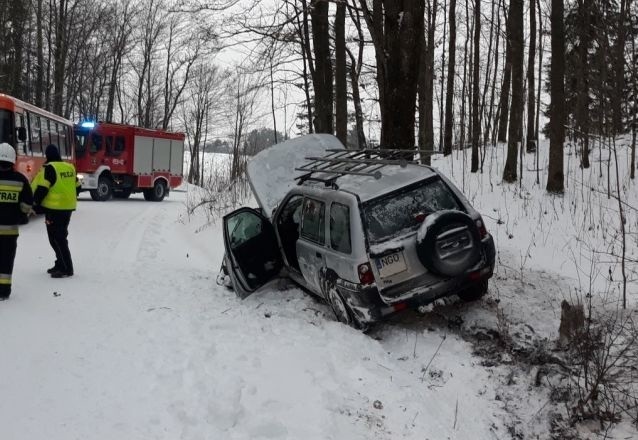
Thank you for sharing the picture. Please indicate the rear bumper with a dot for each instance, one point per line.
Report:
(369, 307)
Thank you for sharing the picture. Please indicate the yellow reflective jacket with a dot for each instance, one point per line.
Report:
(62, 194)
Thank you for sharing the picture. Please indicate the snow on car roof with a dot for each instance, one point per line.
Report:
(393, 177)
(272, 174)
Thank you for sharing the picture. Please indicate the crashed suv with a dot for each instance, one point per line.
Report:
(367, 230)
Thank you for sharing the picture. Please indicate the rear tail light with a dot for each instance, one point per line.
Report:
(365, 274)
(481, 227)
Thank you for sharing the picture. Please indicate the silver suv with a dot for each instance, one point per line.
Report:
(369, 231)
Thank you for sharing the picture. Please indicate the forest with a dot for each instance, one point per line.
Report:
(432, 75)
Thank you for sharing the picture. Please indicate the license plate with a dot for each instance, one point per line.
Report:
(391, 264)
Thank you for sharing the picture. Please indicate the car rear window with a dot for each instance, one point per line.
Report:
(403, 211)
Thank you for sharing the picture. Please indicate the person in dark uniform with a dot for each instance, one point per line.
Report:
(55, 195)
(15, 203)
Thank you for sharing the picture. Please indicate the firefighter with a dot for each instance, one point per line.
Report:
(55, 195)
(15, 203)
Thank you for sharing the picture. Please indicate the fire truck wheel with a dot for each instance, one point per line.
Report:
(157, 193)
(104, 190)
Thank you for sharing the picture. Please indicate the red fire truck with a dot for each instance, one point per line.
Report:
(116, 160)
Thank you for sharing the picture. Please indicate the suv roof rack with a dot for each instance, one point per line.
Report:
(339, 162)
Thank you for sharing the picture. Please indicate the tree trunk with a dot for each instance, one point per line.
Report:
(582, 77)
(308, 68)
(634, 125)
(488, 128)
(441, 100)
(355, 72)
(531, 95)
(322, 78)
(403, 34)
(538, 96)
(555, 179)
(503, 106)
(59, 60)
(39, 78)
(341, 82)
(464, 89)
(619, 69)
(426, 88)
(306, 56)
(476, 126)
(449, 98)
(515, 132)
(468, 33)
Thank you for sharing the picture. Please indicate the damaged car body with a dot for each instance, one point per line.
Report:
(370, 232)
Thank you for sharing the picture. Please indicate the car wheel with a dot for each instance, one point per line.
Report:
(104, 190)
(342, 311)
(450, 243)
(339, 307)
(475, 292)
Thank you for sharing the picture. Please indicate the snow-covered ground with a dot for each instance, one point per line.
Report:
(142, 344)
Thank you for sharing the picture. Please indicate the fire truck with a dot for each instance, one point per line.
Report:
(117, 160)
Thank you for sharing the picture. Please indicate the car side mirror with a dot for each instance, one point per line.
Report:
(22, 134)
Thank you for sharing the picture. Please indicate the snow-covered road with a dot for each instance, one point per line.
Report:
(142, 344)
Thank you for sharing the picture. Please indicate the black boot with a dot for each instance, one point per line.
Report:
(61, 274)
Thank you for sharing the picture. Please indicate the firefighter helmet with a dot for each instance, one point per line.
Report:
(7, 153)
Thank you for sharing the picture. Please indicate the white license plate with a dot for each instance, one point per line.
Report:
(391, 264)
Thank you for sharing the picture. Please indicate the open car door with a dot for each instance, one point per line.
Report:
(252, 253)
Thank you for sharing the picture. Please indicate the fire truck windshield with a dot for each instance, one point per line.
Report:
(80, 140)
(6, 127)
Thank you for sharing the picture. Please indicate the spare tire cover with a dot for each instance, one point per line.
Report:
(448, 243)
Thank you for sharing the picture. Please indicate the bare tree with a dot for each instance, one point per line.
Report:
(341, 84)
(426, 86)
(323, 75)
(355, 73)
(151, 24)
(205, 89)
(503, 106)
(242, 111)
(555, 179)
(182, 48)
(449, 99)
(476, 125)
(396, 27)
(531, 98)
(515, 132)
(120, 35)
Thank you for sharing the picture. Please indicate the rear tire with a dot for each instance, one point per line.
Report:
(475, 292)
(157, 193)
(104, 190)
(341, 309)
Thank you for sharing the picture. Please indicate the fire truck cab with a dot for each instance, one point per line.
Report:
(116, 160)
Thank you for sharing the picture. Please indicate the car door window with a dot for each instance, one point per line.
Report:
(242, 228)
(313, 222)
(340, 228)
